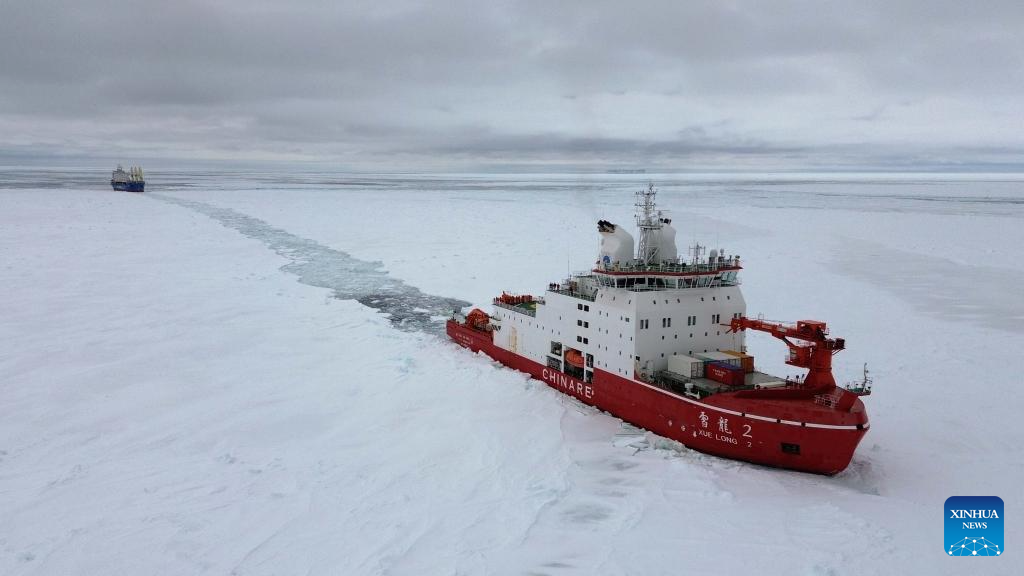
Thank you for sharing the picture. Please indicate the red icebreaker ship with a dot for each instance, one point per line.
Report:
(658, 340)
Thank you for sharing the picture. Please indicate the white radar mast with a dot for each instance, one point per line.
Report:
(648, 222)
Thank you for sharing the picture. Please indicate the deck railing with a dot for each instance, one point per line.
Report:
(574, 294)
(519, 309)
(671, 267)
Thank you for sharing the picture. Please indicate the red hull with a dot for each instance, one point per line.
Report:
(793, 433)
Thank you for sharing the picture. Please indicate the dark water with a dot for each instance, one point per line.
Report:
(407, 307)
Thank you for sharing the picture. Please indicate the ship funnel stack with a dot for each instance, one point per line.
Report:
(666, 240)
(616, 245)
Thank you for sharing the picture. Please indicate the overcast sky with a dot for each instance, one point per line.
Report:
(678, 84)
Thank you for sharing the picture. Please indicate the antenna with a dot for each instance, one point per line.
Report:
(648, 223)
(698, 252)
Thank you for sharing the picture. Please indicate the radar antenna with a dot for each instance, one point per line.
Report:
(648, 222)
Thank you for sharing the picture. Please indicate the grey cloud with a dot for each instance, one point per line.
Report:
(805, 84)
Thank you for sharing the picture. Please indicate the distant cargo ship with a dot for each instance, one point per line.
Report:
(131, 181)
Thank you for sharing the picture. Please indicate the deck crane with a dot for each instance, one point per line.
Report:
(814, 352)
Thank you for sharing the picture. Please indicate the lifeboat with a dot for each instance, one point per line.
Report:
(574, 357)
(478, 319)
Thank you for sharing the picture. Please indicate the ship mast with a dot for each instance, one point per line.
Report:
(648, 222)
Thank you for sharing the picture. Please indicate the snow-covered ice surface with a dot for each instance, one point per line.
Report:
(190, 382)
(349, 278)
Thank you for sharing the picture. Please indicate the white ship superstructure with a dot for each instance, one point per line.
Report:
(632, 313)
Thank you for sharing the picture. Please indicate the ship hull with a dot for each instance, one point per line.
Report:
(786, 434)
(128, 186)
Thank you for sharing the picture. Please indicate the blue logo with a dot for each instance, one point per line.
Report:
(974, 526)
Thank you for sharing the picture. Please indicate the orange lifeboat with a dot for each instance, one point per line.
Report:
(574, 357)
(478, 319)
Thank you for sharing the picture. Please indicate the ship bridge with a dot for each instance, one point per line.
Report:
(584, 285)
(635, 276)
(669, 275)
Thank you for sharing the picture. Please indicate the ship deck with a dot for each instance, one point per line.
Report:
(705, 389)
(751, 381)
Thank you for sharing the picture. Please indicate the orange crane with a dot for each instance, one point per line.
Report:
(814, 352)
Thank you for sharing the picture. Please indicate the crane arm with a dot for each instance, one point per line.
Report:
(814, 353)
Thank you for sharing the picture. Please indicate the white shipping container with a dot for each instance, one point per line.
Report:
(686, 366)
(721, 357)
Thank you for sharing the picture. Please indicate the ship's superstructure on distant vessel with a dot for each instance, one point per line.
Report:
(658, 340)
(131, 181)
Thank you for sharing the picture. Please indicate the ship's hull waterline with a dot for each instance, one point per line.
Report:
(772, 433)
(128, 186)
